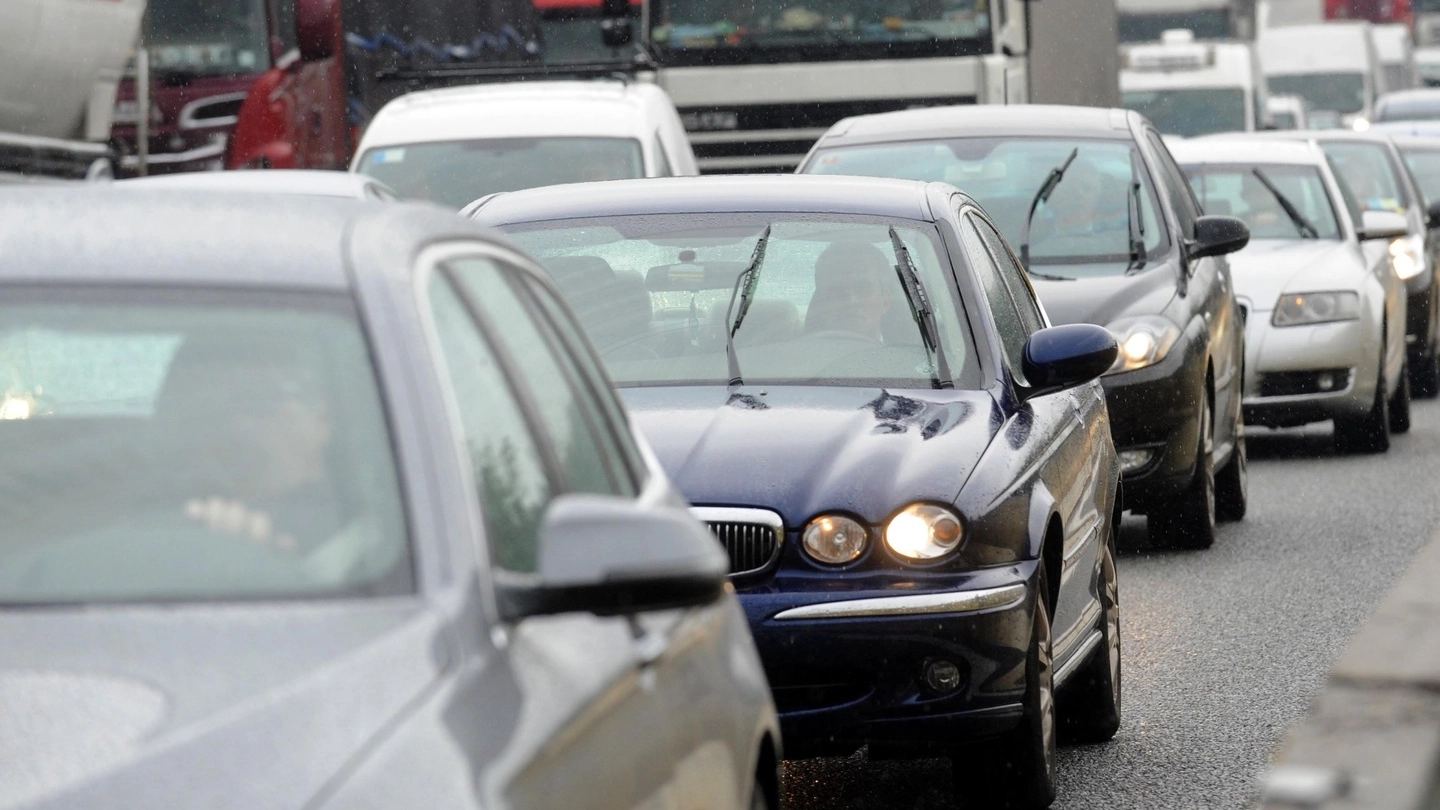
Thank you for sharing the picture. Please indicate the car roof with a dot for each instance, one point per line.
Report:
(599, 108)
(1420, 96)
(106, 235)
(303, 182)
(1417, 143)
(1249, 151)
(1414, 129)
(1304, 135)
(811, 194)
(981, 120)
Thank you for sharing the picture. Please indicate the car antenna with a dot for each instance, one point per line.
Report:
(745, 284)
(1043, 195)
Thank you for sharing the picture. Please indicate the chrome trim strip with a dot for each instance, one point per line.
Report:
(214, 149)
(187, 119)
(734, 514)
(917, 605)
(1081, 656)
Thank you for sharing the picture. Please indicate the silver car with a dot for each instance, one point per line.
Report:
(1325, 309)
(326, 504)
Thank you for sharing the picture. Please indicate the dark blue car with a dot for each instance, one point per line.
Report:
(911, 470)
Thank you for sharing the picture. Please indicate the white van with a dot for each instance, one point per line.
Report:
(455, 145)
(1189, 88)
(1332, 66)
(1288, 112)
(1397, 56)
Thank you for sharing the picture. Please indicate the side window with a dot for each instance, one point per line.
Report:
(508, 464)
(1176, 186)
(1007, 318)
(662, 163)
(577, 426)
(1014, 278)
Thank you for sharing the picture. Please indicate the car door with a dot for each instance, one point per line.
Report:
(1057, 436)
(593, 730)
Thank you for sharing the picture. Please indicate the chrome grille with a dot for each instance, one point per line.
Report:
(751, 537)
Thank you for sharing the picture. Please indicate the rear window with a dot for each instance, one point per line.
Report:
(192, 446)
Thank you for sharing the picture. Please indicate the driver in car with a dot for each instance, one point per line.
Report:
(850, 293)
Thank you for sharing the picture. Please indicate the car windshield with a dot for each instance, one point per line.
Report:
(1338, 92)
(457, 173)
(701, 31)
(187, 445)
(1254, 194)
(1190, 111)
(1423, 108)
(207, 37)
(655, 295)
(1367, 169)
(1425, 165)
(1084, 228)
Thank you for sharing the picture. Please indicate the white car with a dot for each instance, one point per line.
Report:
(1324, 310)
(297, 182)
(455, 145)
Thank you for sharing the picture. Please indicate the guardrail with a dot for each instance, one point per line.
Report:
(1372, 740)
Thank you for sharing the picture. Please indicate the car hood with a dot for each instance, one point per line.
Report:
(1267, 268)
(1102, 299)
(217, 707)
(804, 450)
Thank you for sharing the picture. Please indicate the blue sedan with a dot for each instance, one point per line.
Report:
(911, 469)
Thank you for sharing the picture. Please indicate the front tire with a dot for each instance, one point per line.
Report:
(1090, 704)
(1425, 376)
(1189, 520)
(1369, 433)
(1400, 403)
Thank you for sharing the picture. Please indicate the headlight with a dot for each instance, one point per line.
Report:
(1144, 341)
(1360, 124)
(1316, 307)
(923, 532)
(1407, 256)
(834, 539)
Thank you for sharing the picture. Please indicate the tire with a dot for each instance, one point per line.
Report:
(1017, 772)
(1188, 521)
(1400, 404)
(1425, 376)
(1090, 705)
(758, 799)
(1232, 484)
(1369, 433)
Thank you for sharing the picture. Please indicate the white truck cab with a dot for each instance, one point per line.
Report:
(1190, 87)
(1396, 54)
(1288, 112)
(458, 144)
(1333, 66)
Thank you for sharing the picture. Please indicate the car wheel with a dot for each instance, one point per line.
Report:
(758, 799)
(1018, 772)
(1400, 403)
(1232, 484)
(1188, 521)
(1090, 703)
(1425, 376)
(1369, 433)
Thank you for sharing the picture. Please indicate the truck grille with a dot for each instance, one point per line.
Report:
(751, 537)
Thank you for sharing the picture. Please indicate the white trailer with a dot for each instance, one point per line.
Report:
(1333, 66)
(59, 69)
(1188, 87)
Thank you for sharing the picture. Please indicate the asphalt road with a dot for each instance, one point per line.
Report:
(1223, 648)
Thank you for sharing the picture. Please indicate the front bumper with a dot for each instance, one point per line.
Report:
(846, 656)
(1287, 366)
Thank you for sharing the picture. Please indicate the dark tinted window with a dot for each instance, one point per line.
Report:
(1176, 186)
(1013, 277)
(1007, 318)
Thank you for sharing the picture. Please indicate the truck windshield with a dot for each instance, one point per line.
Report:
(1343, 93)
(1190, 111)
(657, 295)
(178, 445)
(457, 173)
(208, 37)
(1085, 227)
(734, 31)
(1147, 26)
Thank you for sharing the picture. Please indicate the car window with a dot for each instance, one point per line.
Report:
(183, 445)
(1367, 170)
(1176, 186)
(662, 163)
(1258, 194)
(508, 465)
(1015, 281)
(1007, 317)
(1425, 165)
(576, 425)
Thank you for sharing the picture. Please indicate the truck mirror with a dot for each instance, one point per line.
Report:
(317, 27)
(616, 32)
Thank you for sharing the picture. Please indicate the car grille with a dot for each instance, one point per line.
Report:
(751, 537)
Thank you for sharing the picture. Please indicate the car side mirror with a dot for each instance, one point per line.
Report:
(1432, 215)
(1063, 357)
(609, 556)
(1383, 225)
(317, 29)
(1218, 235)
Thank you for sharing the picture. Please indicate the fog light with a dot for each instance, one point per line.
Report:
(1132, 460)
(942, 676)
(1325, 382)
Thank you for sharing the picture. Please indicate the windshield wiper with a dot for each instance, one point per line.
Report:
(1043, 195)
(745, 288)
(921, 311)
(1306, 228)
(1134, 221)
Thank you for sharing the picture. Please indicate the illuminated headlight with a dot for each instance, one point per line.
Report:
(834, 539)
(16, 407)
(923, 532)
(1316, 307)
(1407, 256)
(1360, 124)
(1144, 341)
